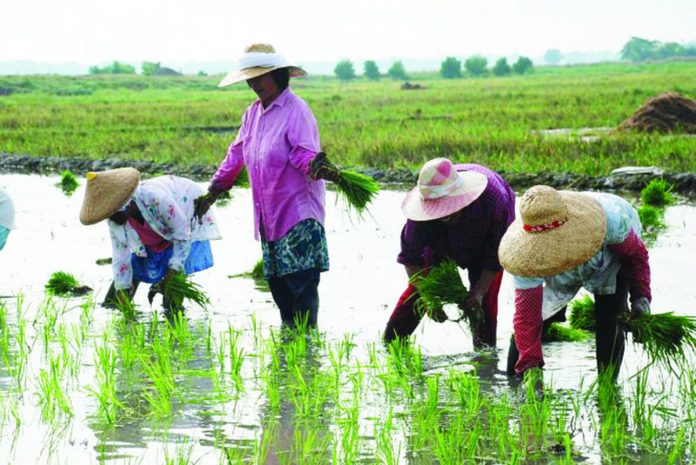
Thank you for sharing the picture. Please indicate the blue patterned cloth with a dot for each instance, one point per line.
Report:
(302, 248)
(151, 269)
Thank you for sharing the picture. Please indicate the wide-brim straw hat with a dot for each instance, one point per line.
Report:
(441, 191)
(259, 59)
(556, 231)
(107, 192)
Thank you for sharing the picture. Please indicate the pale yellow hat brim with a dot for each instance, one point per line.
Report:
(250, 73)
(547, 253)
(107, 192)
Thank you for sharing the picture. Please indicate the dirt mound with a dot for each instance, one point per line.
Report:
(667, 112)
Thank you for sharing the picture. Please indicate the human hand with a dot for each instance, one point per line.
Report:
(202, 204)
(472, 307)
(159, 287)
(640, 306)
(322, 168)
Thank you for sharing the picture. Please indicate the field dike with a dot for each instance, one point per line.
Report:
(684, 183)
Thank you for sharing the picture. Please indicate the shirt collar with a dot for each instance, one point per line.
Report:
(280, 99)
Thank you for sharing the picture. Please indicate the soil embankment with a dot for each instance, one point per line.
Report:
(684, 183)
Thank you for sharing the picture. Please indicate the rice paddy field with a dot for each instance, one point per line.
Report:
(80, 383)
(528, 124)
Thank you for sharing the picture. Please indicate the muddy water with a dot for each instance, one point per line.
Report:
(357, 296)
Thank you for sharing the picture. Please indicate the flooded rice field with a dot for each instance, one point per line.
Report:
(79, 384)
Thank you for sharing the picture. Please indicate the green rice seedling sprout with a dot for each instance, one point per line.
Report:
(65, 284)
(104, 390)
(68, 182)
(236, 356)
(658, 193)
(582, 314)
(357, 190)
(179, 287)
(124, 304)
(561, 333)
(665, 337)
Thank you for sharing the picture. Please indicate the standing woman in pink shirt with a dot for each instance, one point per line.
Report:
(278, 143)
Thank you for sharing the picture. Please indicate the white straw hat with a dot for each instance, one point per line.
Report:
(557, 231)
(442, 190)
(259, 59)
(106, 192)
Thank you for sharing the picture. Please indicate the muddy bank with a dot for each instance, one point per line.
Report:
(684, 183)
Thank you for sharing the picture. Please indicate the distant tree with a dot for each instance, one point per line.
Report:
(397, 71)
(201, 73)
(638, 49)
(502, 68)
(149, 68)
(451, 68)
(371, 71)
(523, 65)
(113, 68)
(553, 56)
(344, 70)
(476, 65)
(670, 49)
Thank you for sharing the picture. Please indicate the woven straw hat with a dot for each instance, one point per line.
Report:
(106, 192)
(557, 231)
(441, 191)
(259, 59)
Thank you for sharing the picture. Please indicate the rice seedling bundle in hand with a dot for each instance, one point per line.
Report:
(179, 287)
(441, 285)
(582, 314)
(62, 283)
(665, 337)
(356, 189)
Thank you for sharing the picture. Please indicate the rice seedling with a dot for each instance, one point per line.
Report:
(441, 285)
(183, 451)
(65, 284)
(561, 333)
(665, 337)
(104, 390)
(357, 190)
(68, 182)
(179, 288)
(658, 193)
(236, 356)
(651, 218)
(52, 398)
(582, 314)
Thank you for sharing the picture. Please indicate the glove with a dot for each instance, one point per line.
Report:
(640, 306)
(322, 168)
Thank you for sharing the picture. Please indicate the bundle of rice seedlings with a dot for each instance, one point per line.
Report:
(62, 283)
(257, 271)
(560, 333)
(179, 287)
(665, 337)
(657, 193)
(582, 314)
(356, 189)
(651, 217)
(68, 182)
(441, 285)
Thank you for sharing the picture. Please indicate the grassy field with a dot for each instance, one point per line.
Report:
(493, 121)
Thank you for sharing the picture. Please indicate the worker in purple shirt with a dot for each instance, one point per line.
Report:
(278, 143)
(456, 212)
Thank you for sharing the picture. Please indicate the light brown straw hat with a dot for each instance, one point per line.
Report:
(442, 190)
(557, 231)
(259, 59)
(106, 192)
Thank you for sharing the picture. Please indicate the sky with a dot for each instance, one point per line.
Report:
(98, 31)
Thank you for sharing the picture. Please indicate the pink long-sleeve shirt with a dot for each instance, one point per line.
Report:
(277, 145)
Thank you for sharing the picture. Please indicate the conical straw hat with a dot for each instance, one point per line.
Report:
(557, 231)
(259, 59)
(106, 192)
(442, 190)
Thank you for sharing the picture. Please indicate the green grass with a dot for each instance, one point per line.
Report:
(492, 121)
(657, 194)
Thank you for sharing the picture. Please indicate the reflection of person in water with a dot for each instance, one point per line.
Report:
(7, 215)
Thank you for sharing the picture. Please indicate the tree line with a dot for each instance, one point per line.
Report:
(450, 68)
(638, 49)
